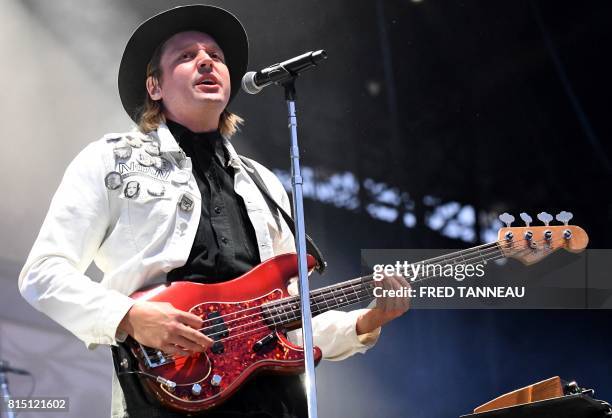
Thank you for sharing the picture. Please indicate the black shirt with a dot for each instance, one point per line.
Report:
(225, 245)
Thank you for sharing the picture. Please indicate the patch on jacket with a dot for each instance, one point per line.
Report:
(132, 167)
(136, 153)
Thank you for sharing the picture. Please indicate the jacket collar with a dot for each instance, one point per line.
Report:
(167, 143)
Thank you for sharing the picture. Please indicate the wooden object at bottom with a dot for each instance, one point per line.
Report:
(546, 389)
(569, 406)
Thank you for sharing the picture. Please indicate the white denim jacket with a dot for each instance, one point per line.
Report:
(136, 240)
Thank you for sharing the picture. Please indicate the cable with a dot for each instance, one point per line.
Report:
(168, 383)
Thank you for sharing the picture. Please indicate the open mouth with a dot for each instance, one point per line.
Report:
(207, 83)
(207, 80)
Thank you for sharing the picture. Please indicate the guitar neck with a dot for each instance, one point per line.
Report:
(287, 312)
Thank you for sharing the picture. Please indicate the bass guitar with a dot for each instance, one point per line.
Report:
(248, 317)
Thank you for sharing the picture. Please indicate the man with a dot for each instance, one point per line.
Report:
(173, 201)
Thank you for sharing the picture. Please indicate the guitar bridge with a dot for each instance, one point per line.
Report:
(154, 358)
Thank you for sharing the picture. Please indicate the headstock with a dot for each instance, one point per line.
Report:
(530, 244)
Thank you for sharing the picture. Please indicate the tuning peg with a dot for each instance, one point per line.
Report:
(526, 218)
(564, 217)
(545, 217)
(506, 218)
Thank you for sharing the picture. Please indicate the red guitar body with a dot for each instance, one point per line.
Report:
(207, 379)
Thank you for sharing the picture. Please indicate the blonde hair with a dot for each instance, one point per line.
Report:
(151, 112)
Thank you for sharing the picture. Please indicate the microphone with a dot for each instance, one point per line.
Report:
(5, 368)
(253, 82)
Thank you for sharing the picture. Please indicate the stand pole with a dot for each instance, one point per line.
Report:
(5, 393)
(300, 245)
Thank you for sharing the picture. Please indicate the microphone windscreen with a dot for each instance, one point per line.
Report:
(248, 83)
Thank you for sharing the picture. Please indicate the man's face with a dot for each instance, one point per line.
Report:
(194, 78)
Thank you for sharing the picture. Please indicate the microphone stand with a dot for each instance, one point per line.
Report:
(300, 245)
(4, 391)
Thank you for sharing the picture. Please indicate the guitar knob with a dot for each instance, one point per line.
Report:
(215, 380)
(196, 389)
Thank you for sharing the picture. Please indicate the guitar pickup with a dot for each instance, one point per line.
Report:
(217, 328)
(264, 341)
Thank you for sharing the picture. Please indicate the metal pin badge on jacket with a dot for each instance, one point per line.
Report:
(156, 189)
(181, 177)
(152, 148)
(122, 151)
(186, 203)
(113, 180)
(179, 156)
(133, 141)
(185, 164)
(132, 188)
(145, 159)
(161, 163)
(113, 137)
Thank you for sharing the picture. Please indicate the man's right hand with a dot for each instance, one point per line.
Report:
(160, 325)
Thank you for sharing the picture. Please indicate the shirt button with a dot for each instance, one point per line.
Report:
(217, 210)
(224, 240)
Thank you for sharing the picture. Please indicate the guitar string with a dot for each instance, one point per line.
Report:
(318, 292)
(359, 297)
(321, 292)
(360, 285)
(361, 289)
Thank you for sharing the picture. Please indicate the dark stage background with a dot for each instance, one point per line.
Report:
(427, 121)
(497, 106)
(501, 106)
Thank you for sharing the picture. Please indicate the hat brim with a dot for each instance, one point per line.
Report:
(220, 24)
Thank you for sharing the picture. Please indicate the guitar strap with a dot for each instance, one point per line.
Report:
(311, 247)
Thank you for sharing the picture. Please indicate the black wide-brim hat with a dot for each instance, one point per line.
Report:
(224, 27)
